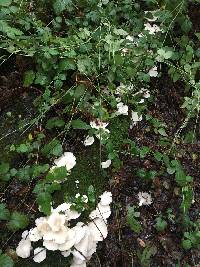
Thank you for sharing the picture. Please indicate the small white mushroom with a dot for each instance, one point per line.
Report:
(23, 249)
(106, 164)
(39, 254)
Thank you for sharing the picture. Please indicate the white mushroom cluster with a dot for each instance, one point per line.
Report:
(67, 160)
(56, 233)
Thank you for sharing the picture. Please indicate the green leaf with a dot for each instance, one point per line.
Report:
(37, 170)
(5, 2)
(6, 261)
(120, 32)
(180, 177)
(57, 174)
(158, 156)
(79, 91)
(132, 221)
(67, 64)
(24, 174)
(186, 244)
(54, 122)
(91, 194)
(17, 221)
(198, 35)
(60, 5)
(161, 224)
(44, 201)
(4, 213)
(79, 124)
(164, 53)
(13, 172)
(4, 168)
(23, 148)
(52, 148)
(162, 132)
(144, 151)
(28, 78)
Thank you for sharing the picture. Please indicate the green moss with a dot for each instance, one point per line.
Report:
(119, 131)
(87, 171)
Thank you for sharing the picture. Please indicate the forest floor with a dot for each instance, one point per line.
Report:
(123, 247)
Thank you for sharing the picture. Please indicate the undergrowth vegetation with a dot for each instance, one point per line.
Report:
(96, 68)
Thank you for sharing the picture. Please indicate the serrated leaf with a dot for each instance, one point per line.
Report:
(57, 174)
(60, 5)
(6, 261)
(4, 212)
(17, 221)
(24, 174)
(22, 148)
(67, 64)
(132, 221)
(52, 148)
(186, 244)
(44, 201)
(79, 124)
(161, 224)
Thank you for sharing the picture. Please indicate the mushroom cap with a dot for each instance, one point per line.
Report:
(39, 254)
(24, 247)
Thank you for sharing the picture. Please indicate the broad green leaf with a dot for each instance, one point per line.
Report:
(166, 54)
(22, 148)
(5, 2)
(198, 35)
(52, 148)
(79, 124)
(180, 177)
(13, 172)
(28, 78)
(4, 212)
(79, 91)
(4, 168)
(60, 5)
(37, 170)
(24, 174)
(57, 174)
(186, 244)
(54, 122)
(17, 221)
(6, 261)
(44, 201)
(67, 64)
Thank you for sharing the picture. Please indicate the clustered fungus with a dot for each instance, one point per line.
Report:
(56, 233)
